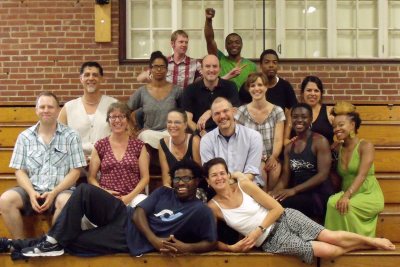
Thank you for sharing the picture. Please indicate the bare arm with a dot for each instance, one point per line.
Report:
(24, 182)
(166, 179)
(94, 167)
(144, 163)
(196, 150)
(141, 222)
(288, 129)
(62, 117)
(192, 125)
(285, 175)
(68, 181)
(144, 77)
(209, 32)
(278, 140)
(367, 152)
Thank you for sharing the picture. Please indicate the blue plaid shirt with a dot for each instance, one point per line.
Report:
(47, 165)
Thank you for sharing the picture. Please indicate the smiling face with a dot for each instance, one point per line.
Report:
(222, 114)
(342, 127)
(91, 79)
(218, 176)
(258, 89)
(118, 121)
(210, 68)
(312, 94)
(176, 124)
(233, 45)
(301, 120)
(185, 190)
(47, 110)
(269, 65)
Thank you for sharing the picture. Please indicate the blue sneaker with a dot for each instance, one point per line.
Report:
(5, 245)
(44, 249)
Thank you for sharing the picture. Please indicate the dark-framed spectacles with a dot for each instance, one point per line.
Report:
(159, 67)
(184, 179)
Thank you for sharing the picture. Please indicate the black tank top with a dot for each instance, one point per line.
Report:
(170, 157)
(302, 165)
(322, 125)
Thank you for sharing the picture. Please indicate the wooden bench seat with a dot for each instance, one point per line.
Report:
(379, 112)
(365, 258)
(215, 259)
(17, 114)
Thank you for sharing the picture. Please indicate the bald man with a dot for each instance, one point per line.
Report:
(198, 96)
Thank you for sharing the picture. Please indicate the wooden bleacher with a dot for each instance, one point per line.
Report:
(380, 125)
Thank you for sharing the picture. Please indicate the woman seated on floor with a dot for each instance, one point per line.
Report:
(357, 206)
(304, 183)
(264, 223)
(119, 163)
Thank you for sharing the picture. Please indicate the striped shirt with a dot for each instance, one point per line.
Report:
(47, 164)
(183, 73)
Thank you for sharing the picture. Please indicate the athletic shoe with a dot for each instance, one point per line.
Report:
(44, 248)
(5, 244)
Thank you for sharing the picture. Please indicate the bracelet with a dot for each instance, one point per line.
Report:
(263, 229)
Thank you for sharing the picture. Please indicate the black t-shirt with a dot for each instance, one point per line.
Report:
(282, 94)
(197, 98)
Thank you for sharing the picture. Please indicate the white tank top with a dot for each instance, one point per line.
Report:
(247, 217)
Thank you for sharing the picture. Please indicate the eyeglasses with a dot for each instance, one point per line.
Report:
(174, 122)
(114, 118)
(184, 179)
(159, 67)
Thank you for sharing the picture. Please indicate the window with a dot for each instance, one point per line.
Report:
(295, 28)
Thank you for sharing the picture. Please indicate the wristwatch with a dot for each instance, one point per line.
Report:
(263, 229)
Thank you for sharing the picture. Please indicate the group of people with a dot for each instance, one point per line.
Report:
(234, 145)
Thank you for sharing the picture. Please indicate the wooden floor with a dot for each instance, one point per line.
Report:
(370, 258)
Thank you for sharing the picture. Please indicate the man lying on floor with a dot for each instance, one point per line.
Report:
(170, 220)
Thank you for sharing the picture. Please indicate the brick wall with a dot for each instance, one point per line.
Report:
(43, 43)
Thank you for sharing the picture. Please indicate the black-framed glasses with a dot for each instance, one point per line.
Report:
(184, 179)
(114, 118)
(159, 67)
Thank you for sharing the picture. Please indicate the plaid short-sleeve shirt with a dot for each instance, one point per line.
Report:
(47, 164)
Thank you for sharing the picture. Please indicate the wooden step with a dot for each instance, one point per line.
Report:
(215, 259)
(5, 157)
(381, 133)
(386, 159)
(9, 134)
(379, 112)
(390, 185)
(365, 258)
(389, 223)
(18, 114)
(34, 226)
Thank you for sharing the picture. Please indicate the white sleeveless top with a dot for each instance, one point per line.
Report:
(90, 130)
(247, 217)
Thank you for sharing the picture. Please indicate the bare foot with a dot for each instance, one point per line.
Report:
(384, 244)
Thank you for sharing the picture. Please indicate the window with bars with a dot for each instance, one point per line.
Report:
(295, 28)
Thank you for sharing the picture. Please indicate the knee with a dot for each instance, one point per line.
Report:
(61, 200)
(9, 200)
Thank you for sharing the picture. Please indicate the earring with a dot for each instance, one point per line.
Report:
(352, 134)
(310, 125)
